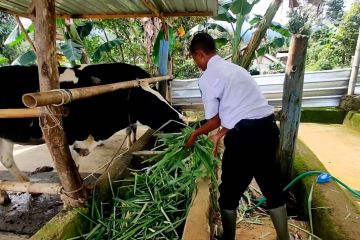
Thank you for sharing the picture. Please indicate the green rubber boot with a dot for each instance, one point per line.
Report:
(228, 218)
(280, 221)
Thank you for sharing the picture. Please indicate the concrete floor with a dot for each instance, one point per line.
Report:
(28, 158)
(338, 149)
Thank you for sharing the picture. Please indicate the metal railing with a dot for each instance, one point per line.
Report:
(321, 89)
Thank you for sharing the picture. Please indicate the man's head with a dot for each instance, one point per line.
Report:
(202, 48)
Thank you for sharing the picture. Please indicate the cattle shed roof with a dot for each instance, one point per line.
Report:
(118, 8)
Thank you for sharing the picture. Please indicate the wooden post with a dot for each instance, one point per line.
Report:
(291, 105)
(74, 192)
(355, 68)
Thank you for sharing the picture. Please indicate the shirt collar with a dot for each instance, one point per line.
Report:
(213, 60)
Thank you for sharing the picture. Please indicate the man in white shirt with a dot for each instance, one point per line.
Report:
(233, 100)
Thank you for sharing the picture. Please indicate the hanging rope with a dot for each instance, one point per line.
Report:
(47, 111)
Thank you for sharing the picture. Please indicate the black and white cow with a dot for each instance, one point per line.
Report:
(99, 117)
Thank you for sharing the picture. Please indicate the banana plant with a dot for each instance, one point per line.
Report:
(156, 48)
(27, 58)
(106, 48)
(235, 13)
(17, 35)
(72, 47)
(3, 60)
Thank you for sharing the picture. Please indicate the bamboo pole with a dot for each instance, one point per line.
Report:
(355, 68)
(31, 187)
(26, 33)
(20, 113)
(291, 103)
(61, 96)
(75, 194)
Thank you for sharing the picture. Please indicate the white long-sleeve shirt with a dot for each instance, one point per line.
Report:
(230, 91)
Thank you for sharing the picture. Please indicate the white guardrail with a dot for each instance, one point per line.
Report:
(321, 89)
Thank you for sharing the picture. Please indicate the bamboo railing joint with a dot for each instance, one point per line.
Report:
(58, 97)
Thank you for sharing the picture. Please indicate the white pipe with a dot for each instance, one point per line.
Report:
(355, 68)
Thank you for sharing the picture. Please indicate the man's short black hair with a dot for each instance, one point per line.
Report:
(202, 41)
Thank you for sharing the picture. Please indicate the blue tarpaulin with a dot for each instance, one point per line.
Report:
(163, 57)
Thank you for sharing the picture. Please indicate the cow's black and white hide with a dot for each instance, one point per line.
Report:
(98, 117)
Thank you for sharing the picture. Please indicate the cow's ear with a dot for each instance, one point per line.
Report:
(95, 80)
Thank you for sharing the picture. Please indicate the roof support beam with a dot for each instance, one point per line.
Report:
(152, 7)
(119, 15)
(135, 15)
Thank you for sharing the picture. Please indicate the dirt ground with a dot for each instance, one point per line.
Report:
(263, 229)
(26, 214)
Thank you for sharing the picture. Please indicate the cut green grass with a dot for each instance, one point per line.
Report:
(157, 198)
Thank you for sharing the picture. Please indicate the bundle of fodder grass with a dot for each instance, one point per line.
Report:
(157, 199)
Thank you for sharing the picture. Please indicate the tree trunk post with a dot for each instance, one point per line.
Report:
(249, 53)
(291, 103)
(74, 194)
(355, 68)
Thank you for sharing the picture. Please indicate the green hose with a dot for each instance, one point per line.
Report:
(263, 199)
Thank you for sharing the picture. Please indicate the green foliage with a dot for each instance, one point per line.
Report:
(299, 20)
(277, 67)
(156, 48)
(332, 46)
(276, 27)
(3, 59)
(321, 54)
(84, 29)
(130, 31)
(71, 50)
(241, 7)
(334, 10)
(106, 47)
(185, 69)
(183, 65)
(17, 36)
(28, 58)
(7, 24)
(153, 204)
(347, 33)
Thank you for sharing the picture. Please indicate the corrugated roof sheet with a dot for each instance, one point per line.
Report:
(118, 8)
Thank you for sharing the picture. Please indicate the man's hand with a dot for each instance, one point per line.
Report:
(216, 139)
(210, 125)
(191, 140)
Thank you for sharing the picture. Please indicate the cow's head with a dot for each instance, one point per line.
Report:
(151, 109)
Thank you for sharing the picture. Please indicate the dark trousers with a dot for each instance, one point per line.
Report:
(250, 151)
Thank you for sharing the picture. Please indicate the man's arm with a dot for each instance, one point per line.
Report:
(216, 138)
(209, 126)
